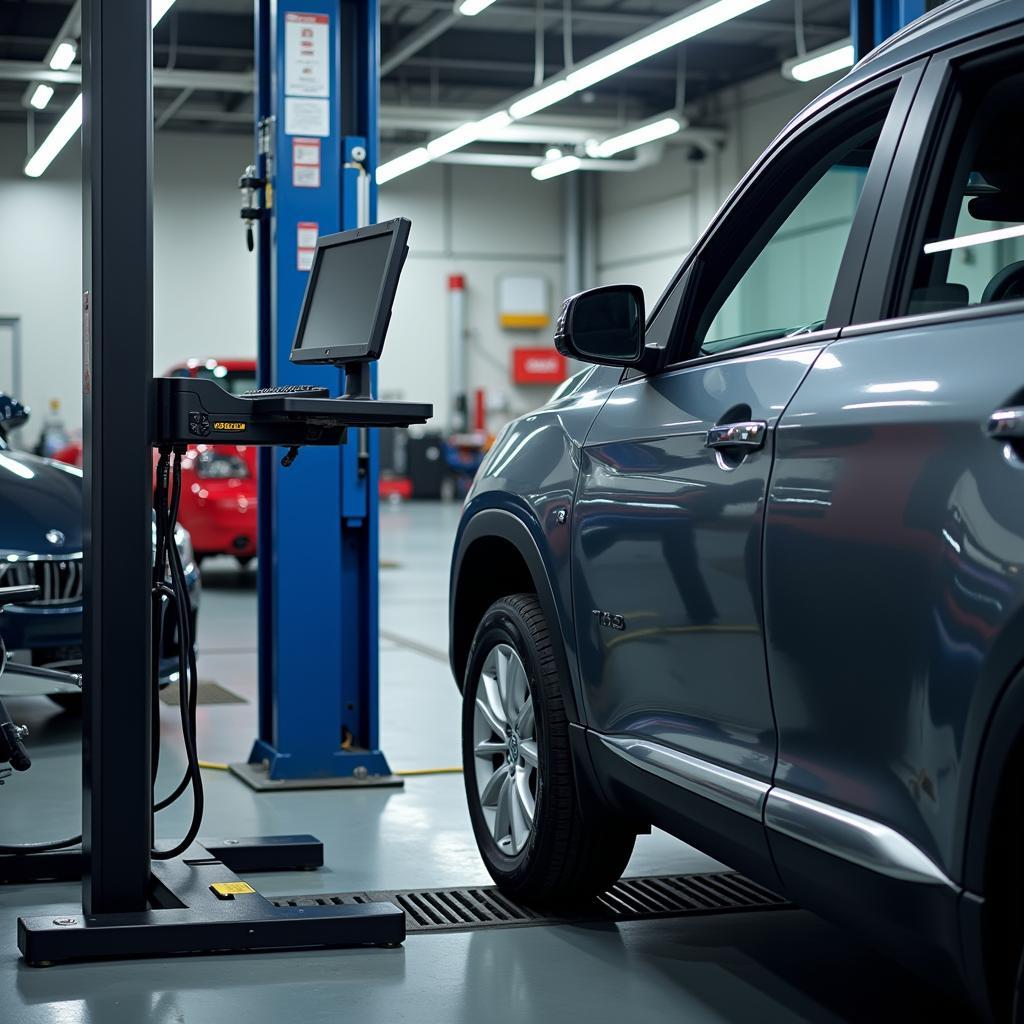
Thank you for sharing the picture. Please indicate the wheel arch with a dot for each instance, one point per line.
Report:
(993, 917)
(496, 555)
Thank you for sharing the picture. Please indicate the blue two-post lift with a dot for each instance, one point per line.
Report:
(316, 141)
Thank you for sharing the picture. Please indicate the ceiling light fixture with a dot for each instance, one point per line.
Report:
(64, 130)
(401, 164)
(826, 61)
(552, 168)
(980, 238)
(669, 32)
(64, 56)
(650, 132)
(648, 43)
(41, 95)
(471, 7)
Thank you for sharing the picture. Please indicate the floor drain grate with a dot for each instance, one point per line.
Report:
(630, 899)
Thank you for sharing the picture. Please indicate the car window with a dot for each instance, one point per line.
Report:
(972, 249)
(771, 275)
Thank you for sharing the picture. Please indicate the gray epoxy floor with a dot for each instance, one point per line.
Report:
(781, 966)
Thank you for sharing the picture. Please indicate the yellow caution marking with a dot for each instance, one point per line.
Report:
(229, 890)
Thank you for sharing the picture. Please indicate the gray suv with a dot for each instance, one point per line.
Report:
(756, 576)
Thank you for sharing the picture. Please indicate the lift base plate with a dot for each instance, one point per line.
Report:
(257, 777)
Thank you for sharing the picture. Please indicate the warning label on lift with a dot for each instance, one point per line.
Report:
(306, 163)
(307, 234)
(307, 61)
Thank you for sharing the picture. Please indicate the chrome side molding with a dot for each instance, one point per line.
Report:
(857, 839)
(838, 832)
(730, 789)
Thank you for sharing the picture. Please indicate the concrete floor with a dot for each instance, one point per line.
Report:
(780, 966)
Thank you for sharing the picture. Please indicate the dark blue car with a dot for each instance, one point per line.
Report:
(41, 545)
(756, 577)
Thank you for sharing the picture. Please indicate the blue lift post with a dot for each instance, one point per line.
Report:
(317, 69)
(871, 21)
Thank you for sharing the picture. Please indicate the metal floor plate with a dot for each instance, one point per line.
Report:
(630, 899)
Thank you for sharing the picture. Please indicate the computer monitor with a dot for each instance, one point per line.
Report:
(351, 288)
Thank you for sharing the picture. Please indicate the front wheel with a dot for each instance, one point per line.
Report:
(520, 783)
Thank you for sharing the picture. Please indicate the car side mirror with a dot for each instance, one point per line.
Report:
(603, 325)
(12, 414)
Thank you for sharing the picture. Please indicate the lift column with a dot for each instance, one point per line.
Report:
(317, 64)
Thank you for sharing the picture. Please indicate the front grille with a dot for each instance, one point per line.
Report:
(59, 579)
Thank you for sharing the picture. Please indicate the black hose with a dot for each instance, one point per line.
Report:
(188, 675)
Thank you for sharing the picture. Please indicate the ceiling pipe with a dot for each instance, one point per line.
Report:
(646, 156)
(418, 38)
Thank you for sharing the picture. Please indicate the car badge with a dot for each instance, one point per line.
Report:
(55, 537)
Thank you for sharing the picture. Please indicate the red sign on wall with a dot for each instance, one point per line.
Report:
(537, 366)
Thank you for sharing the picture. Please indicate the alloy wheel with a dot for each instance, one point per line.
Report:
(505, 748)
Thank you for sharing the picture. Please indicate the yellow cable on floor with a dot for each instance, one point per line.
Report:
(215, 765)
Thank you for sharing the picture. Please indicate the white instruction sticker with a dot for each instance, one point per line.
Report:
(307, 117)
(306, 163)
(306, 235)
(307, 61)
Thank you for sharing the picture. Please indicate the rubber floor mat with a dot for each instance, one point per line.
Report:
(630, 899)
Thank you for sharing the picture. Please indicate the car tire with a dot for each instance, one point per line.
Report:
(554, 856)
(69, 702)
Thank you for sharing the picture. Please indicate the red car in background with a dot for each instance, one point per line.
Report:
(218, 499)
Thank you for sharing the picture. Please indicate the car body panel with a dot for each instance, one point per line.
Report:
(41, 522)
(886, 486)
(530, 472)
(667, 533)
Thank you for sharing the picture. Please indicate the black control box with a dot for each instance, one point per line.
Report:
(192, 410)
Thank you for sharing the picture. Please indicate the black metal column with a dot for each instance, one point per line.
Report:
(117, 156)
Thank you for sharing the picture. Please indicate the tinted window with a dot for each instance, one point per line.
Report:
(972, 251)
(770, 270)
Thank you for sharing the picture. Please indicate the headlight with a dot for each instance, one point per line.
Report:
(220, 466)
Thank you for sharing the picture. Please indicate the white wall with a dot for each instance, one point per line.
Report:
(204, 278)
(647, 220)
(481, 223)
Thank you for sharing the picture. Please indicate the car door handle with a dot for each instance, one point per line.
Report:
(748, 434)
(1007, 422)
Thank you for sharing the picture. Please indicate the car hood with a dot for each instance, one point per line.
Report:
(39, 497)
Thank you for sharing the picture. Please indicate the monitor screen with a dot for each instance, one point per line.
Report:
(349, 295)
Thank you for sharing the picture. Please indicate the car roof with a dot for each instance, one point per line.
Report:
(946, 25)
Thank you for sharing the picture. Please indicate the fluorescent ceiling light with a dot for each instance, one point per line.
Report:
(471, 7)
(64, 56)
(63, 131)
(826, 61)
(160, 8)
(996, 235)
(692, 22)
(552, 168)
(41, 95)
(495, 122)
(553, 153)
(455, 139)
(407, 162)
(541, 98)
(688, 25)
(649, 132)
